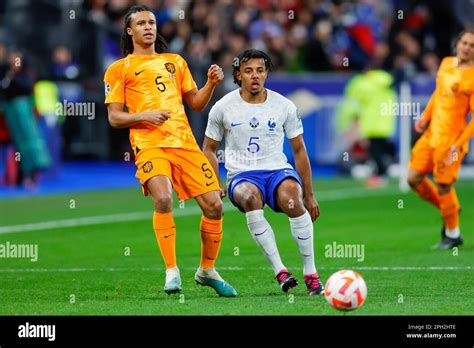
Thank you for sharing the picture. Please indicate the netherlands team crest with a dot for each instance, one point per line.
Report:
(170, 68)
(147, 167)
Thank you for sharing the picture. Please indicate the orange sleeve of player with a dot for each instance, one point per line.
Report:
(428, 113)
(114, 84)
(187, 81)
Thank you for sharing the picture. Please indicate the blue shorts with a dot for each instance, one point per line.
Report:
(267, 182)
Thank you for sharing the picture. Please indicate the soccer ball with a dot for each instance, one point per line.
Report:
(345, 290)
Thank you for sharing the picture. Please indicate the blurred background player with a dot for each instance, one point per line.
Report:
(152, 84)
(254, 121)
(16, 85)
(365, 121)
(444, 143)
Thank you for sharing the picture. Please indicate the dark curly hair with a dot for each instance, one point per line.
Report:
(246, 56)
(126, 42)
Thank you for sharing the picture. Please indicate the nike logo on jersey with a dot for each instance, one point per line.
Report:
(168, 235)
(209, 183)
(235, 124)
(139, 72)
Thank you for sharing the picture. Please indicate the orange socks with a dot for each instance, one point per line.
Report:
(450, 209)
(427, 190)
(165, 232)
(211, 236)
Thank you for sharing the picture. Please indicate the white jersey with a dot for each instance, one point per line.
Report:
(254, 133)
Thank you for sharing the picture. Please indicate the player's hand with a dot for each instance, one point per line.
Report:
(215, 74)
(223, 192)
(452, 155)
(312, 206)
(421, 125)
(157, 117)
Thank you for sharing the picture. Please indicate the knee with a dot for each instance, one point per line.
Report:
(291, 205)
(251, 201)
(414, 179)
(213, 209)
(163, 203)
(443, 188)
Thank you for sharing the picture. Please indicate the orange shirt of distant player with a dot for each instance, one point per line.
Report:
(450, 103)
(153, 82)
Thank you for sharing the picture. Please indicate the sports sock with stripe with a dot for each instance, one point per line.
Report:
(263, 235)
(302, 231)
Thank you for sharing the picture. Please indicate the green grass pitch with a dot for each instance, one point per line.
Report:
(115, 268)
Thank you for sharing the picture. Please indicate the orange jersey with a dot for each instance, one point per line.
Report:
(153, 82)
(450, 103)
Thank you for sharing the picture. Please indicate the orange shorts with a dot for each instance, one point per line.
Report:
(426, 159)
(189, 171)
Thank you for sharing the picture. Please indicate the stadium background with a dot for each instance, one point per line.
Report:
(69, 43)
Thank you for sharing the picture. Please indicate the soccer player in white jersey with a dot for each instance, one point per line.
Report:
(254, 121)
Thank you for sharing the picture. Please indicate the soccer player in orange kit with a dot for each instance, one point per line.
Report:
(445, 138)
(152, 85)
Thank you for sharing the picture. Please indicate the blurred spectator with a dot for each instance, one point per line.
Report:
(17, 87)
(369, 112)
(63, 67)
(316, 56)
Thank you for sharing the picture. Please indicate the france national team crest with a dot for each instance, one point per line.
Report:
(271, 124)
(254, 122)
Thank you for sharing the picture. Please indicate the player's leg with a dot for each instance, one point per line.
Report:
(445, 174)
(248, 197)
(211, 237)
(289, 199)
(423, 187)
(422, 162)
(160, 190)
(450, 207)
(193, 177)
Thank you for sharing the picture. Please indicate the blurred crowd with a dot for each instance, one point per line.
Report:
(302, 35)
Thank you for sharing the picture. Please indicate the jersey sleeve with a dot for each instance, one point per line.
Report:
(114, 85)
(187, 81)
(215, 125)
(293, 125)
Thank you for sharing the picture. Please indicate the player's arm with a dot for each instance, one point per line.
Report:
(422, 123)
(209, 149)
(303, 167)
(469, 130)
(198, 99)
(121, 119)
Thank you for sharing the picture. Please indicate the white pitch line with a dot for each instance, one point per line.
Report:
(322, 196)
(96, 220)
(234, 268)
